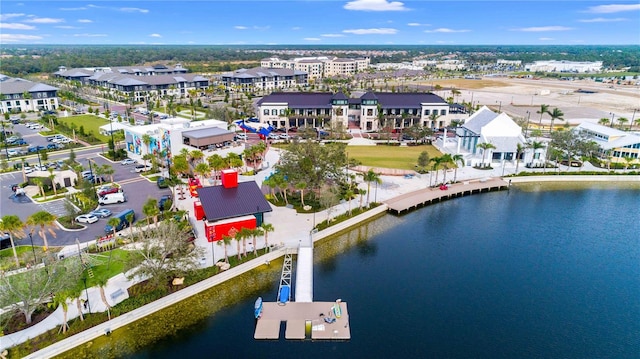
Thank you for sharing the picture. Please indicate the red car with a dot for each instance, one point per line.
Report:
(108, 190)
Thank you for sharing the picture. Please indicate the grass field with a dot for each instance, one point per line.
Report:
(405, 157)
(90, 123)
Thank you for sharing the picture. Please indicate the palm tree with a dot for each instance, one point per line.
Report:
(38, 182)
(108, 170)
(258, 231)
(543, 109)
(266, 228)
(622, 121)
(603, 121)
(370, 177)
(535, 145)
(436, 164)
(301, 186)
(457, 159)
(14, 226)
(52, 177)
(102, 281)
(556, 114)
(146, 140)
(226, 240)
(216, 163)
(150, 210)
(196, 156)
(519, 150)
(244, 234)
(202, 169)
(75, 293)
(446, 161)
(484, 146)
(45, 221)
(348, 194)
(129, 218)
(114, 222)
(60, 300)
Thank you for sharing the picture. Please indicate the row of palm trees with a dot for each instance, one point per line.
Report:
(242, 236)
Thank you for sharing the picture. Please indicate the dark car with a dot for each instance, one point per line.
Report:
(52, 146)
(5, 241)
(19, 141)
(163, 200)
(32, 149)
(162, 183)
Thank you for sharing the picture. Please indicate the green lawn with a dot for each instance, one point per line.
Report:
(405, 157)
(105, 268)
(90, 123)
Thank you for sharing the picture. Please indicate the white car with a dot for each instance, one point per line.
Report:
(142, 168)
(28, 169)
(127, 161)
(284, 136)
(86, 218)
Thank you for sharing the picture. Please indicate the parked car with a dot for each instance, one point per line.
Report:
(106, 191)
(161, 182)
(101, 212)
(284, 136)
(28, 169)
(86, 174)
(86, 218)
(112, 198)
(19, 142)
(240, 136)
(273, 136)
(162, 201)
(52, 146)
(127, 161)
(13, 152)
(34, 149)
(142, 168)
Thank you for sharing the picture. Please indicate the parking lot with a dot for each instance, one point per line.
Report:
(137, 190)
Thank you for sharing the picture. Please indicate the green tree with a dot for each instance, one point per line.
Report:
(519, 150)
(162, 253)
(151, 210)
(485, 146)
(556, 114)
(46, 221)
(60, 300)
(423, 160)
(217, 164)
(114, 222)
(13, 225)
(446, 160)
(258, 231)
(266, 228)
(244, 234)
(52, 177)
(108, 170)
(457, 159)
(370, 177)
(102, 281)
(224, 242)
(196, 156)
(202, 169)
(543, 109)
(301, 186)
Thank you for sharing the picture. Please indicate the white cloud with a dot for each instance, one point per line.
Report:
(239, 27)
(90, 35)
(85, 21)
(18, 37)
(16, 26)
(4, 17)
(44, 20)
(380, 31)
(609, 9)
(375, 5)
(543, 29)
(312, 39)
(66, 27)
(155, 35)
(546, 39)
(417, 24)
(73, 8)
(332, 35)
(602, 19)
(133, 9)
(445, 30)
(296, 28)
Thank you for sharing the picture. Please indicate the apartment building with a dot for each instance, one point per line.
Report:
(261, 78)
(20, 95)
(320, 66)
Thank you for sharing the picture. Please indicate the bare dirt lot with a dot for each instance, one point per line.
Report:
(583, 100)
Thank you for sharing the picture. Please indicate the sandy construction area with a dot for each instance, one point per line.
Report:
(517, 96)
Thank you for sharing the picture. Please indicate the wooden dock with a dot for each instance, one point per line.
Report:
(303, 321)
(426, 196)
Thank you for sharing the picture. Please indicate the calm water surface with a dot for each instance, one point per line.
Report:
(518, 274)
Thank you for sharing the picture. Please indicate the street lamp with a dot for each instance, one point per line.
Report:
(39, 162)
(35, 259)
(612, 115)
(526, 130)
(499, 107)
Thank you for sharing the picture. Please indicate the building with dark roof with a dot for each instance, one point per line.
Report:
(207, 138)
(20, 95)
(138, 82)
(370, 111)
(260, 79)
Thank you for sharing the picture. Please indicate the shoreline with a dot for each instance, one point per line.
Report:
(130, 317)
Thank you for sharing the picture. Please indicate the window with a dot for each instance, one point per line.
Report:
(282, 112)
(443, 112)
(265, 112)
(274, 112)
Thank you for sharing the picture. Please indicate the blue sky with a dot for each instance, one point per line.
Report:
(315, 22)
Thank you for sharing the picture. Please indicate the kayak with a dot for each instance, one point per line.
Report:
(258, 307)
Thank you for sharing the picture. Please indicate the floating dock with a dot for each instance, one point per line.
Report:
(427, 196)
(303, 321)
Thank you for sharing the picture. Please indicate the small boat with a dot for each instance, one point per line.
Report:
(258, 307)
(337, 311)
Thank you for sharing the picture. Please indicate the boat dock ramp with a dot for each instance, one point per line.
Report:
(426, 196)
(304, 318)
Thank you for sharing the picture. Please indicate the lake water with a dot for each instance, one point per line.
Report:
(518, 274)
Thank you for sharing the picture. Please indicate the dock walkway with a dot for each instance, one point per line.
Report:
(426, 196)
(303, 321)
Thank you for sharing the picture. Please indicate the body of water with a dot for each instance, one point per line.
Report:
(517, 274)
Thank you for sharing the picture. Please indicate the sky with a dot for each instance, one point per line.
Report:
(321, 22)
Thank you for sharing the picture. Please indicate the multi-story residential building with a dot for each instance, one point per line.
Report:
(20, 95)
(321, 66)
(614, 144)
(262, 79)
(370, 111)
(138, 83)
